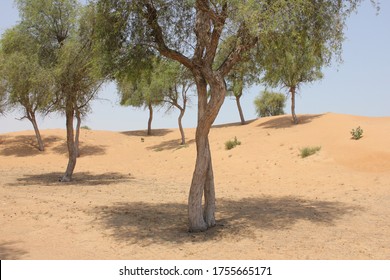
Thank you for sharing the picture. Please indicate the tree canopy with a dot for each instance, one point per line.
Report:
(191, 33)
(26, 82)
(63, 31)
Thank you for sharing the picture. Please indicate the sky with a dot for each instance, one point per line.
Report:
(358, 86)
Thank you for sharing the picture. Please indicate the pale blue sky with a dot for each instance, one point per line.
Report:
(358, 86)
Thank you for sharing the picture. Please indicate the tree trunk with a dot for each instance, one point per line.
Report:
(183, 138)
(200, 219)
(71, 146)
(33, 120)
(294, 117)
(240, 109)
(150, 119)
(77, 139)
(209, 193)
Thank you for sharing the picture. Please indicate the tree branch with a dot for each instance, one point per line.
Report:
(247, 42)
(151, 16)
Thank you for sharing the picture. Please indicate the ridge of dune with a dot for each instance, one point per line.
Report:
(330, 131)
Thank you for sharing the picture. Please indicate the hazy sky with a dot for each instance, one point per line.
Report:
(358, 86)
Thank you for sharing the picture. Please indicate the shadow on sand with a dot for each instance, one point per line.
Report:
(148, 224)
(26, 145)
(9, 252)
(143, 133)
(170, 145)
(85, 150)
(233, 124)
(79, 178)
(285, 121)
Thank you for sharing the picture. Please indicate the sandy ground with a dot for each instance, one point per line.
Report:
(129, 195)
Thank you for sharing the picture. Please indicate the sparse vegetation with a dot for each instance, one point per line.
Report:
(308, 151)
(357, 133)
(232, 143)
(270, 104)
(86, 127)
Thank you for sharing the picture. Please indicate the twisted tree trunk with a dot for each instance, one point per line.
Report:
(201, 218)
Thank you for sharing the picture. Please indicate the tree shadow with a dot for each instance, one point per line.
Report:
(9, 252)
(85, 150)
(233, 124)
(79, 178)
(287, 122)
(170, 145)
(143, 133)
(26, 145)
(148, 224)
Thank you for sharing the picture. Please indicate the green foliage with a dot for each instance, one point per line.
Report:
(3, 90)
(308, 151)
(51, 22)
(20, 58)
(357, 133)
(270, 104)
(302, 45)
(85, 127)
(230, 144)
(154, 86)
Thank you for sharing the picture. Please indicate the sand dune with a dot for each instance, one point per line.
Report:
(129, 195)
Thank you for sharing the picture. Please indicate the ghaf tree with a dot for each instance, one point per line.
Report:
(190, 32)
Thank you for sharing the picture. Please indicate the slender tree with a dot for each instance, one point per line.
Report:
(25, 80)
(190, 32)
(146, 91)
(243, 75)
(64, 31)
(296, 52)
(175, 82)
(163, 82)
(179, 83)
(77, 83)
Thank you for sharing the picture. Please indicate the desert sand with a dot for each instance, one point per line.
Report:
(128, 199)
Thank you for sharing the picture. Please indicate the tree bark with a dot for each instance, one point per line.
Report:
(294, 116)
(240, 110)
(150, 119)
(77, 138)
(71, 146)
(33, 120)
(202, 218)
(183, 138)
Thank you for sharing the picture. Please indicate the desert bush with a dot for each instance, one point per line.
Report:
(357, 133)
(86, 127)
(270, 104)
(232, 143)
(308, 151)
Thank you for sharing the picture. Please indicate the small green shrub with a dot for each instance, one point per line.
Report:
(357, 133)
(86, 127)
(308, 151)
(232, 143)
(270, 104)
